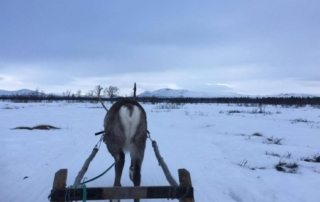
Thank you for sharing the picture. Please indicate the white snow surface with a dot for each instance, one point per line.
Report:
(178, 93)
(215, 142)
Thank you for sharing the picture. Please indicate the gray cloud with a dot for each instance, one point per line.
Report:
(216, 41)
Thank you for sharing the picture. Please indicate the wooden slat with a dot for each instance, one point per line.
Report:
(59, 182)
(169, 192)
(185, 181)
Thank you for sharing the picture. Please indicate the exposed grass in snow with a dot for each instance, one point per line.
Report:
(287, 167)
(314, 159)
(257, 134)
(244, 163)
(288, 155)
(273, 140)
(37, 127)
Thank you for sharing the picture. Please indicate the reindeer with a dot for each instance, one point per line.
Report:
(125, 126)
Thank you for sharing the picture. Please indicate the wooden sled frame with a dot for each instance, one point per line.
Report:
(183, 192)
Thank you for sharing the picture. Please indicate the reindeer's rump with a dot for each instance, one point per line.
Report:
(125, 126)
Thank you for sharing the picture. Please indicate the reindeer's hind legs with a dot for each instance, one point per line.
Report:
(135, 172)
(119, 163)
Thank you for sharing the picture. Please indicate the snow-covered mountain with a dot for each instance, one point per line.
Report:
(295, 95)
(16, 92)
(176, 93)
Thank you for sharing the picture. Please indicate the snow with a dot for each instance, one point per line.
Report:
(176, 93)
(295, 95)
(215, 142)
(16, 92)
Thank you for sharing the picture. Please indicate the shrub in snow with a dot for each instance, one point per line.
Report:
(272, 154)
(257, 134)
(234, 112)
(287, 167)
(314, 159)
(287, 156)
(244, 164)
(300, 120)
(273, 140)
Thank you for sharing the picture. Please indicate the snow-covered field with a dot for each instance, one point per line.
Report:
(230, 150)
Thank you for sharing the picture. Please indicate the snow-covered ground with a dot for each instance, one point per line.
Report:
(230, 150)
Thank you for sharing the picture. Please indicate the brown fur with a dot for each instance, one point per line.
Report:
(115, 140)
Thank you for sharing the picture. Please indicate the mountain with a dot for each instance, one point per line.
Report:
(295, 95)
(176, 93)
(17, 92)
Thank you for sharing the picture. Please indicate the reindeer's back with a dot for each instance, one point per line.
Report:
(125, 125)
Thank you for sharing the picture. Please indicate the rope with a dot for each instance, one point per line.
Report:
(99, 142)
(97, 146)
(149, 136)
(87, 162)
(83, 186)
(98, 176)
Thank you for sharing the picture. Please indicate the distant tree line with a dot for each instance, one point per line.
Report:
(298, 101)
(109, 91)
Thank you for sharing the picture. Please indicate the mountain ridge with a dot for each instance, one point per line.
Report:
(178, 93)
(16, 92)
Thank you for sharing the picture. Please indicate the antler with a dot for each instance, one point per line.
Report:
(100, 100)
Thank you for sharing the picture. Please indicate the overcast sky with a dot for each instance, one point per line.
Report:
(257, 47)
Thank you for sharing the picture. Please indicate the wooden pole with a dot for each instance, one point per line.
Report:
(185, 181)
(163, 165)
(135, 91)
(100, 100)
(85, 167)
(59, 182)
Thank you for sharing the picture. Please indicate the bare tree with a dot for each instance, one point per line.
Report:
(42, 93)
(111, 91)
(36, 93)
(67, 93)
(97, 90)
(78, 93)
(90, 93)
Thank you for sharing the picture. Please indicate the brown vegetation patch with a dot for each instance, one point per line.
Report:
(314, 159)
(287, 167)
(38, 127)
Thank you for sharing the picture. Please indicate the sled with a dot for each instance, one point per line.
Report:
(59, 193)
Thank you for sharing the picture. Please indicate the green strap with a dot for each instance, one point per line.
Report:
(83, 186)
(92, 179)
(84, 193)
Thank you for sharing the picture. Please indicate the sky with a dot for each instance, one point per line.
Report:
(253, 47)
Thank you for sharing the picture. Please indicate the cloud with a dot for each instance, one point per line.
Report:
(181, 45)
(8, 82)
(276, 86)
